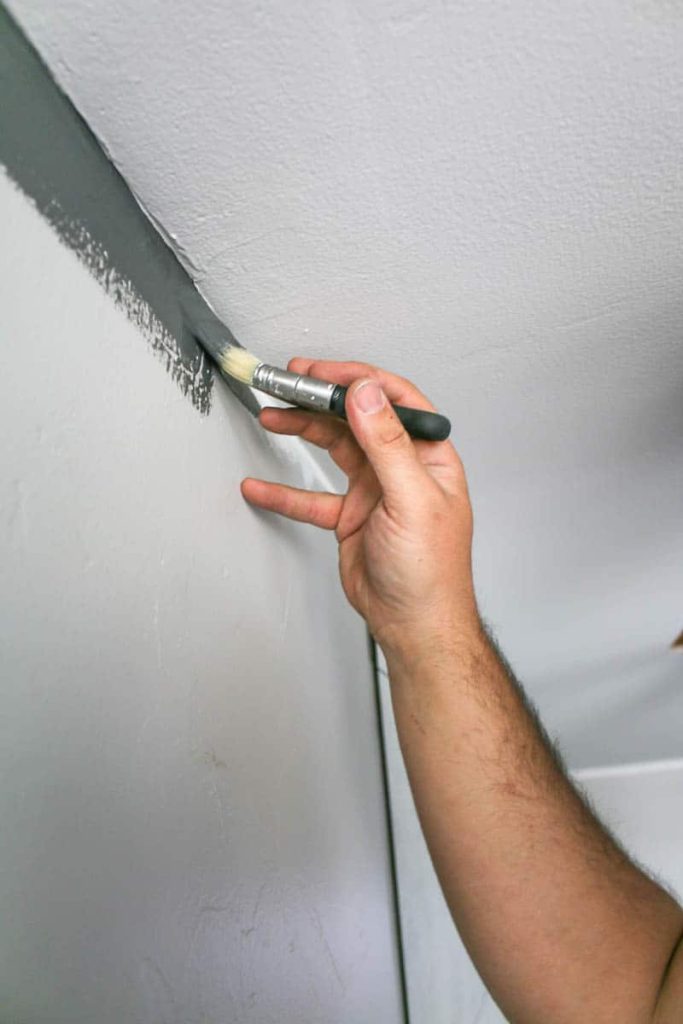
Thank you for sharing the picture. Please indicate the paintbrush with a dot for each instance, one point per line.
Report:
(311, 393)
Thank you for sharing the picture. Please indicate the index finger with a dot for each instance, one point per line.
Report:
(398, 389)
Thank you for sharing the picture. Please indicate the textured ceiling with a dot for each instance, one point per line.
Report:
(487, 198)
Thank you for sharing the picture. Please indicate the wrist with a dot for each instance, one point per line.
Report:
(431, 644)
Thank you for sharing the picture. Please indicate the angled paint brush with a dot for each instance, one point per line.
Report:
(311, 393)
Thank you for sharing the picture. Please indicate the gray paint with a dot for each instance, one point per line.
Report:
(49, 150)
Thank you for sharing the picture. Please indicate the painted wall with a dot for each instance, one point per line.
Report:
(486, 197)
(193, 822)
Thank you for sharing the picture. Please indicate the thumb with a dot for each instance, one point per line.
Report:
(383, 438)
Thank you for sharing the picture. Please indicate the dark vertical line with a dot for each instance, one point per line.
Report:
(390, 832)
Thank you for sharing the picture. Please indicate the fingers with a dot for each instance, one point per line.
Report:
(333, 435)
(317, 508)
(397, 389)
(388, 447)
(438, 454)
(362, 497)
(403, 467)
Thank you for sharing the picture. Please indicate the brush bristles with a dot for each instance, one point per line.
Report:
(239, 363)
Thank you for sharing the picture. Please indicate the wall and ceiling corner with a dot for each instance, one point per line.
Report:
(486, 199)
(50, 152)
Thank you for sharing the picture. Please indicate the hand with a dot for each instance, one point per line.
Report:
(404, 526)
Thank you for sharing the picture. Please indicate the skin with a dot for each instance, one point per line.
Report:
(562, 926)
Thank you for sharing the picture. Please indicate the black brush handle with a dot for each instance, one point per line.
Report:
(420, 424)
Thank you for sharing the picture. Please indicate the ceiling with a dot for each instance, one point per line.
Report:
(487, 198)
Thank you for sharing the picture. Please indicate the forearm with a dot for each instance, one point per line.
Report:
(560, 924)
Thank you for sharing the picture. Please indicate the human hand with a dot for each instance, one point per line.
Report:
(404, 526)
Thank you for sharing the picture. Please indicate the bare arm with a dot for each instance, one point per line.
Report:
(561, 925)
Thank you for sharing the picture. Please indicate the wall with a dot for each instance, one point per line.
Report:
(484, 197)
(487, 198)
(194, 826)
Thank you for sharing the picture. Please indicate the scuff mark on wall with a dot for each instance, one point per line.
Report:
(315, 917)
(158, 992)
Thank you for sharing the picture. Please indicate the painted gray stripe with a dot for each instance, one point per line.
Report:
(55, 159)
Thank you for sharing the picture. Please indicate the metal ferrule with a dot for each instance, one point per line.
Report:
(306, 392)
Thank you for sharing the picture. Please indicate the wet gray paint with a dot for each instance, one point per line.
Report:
(53, 156)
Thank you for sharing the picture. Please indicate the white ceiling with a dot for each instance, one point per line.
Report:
(487, 197)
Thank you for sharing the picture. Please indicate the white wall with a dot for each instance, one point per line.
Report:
(486, 197)
(193, 827)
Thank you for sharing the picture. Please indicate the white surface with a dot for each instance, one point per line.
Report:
(193, 827)
(641, 803)
(488, 198)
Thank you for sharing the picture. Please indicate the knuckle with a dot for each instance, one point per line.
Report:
(364, 378)
(364, 372)
(287, 504)
(394, 436)
(337, 446)
(314, 432)
(342, 449)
